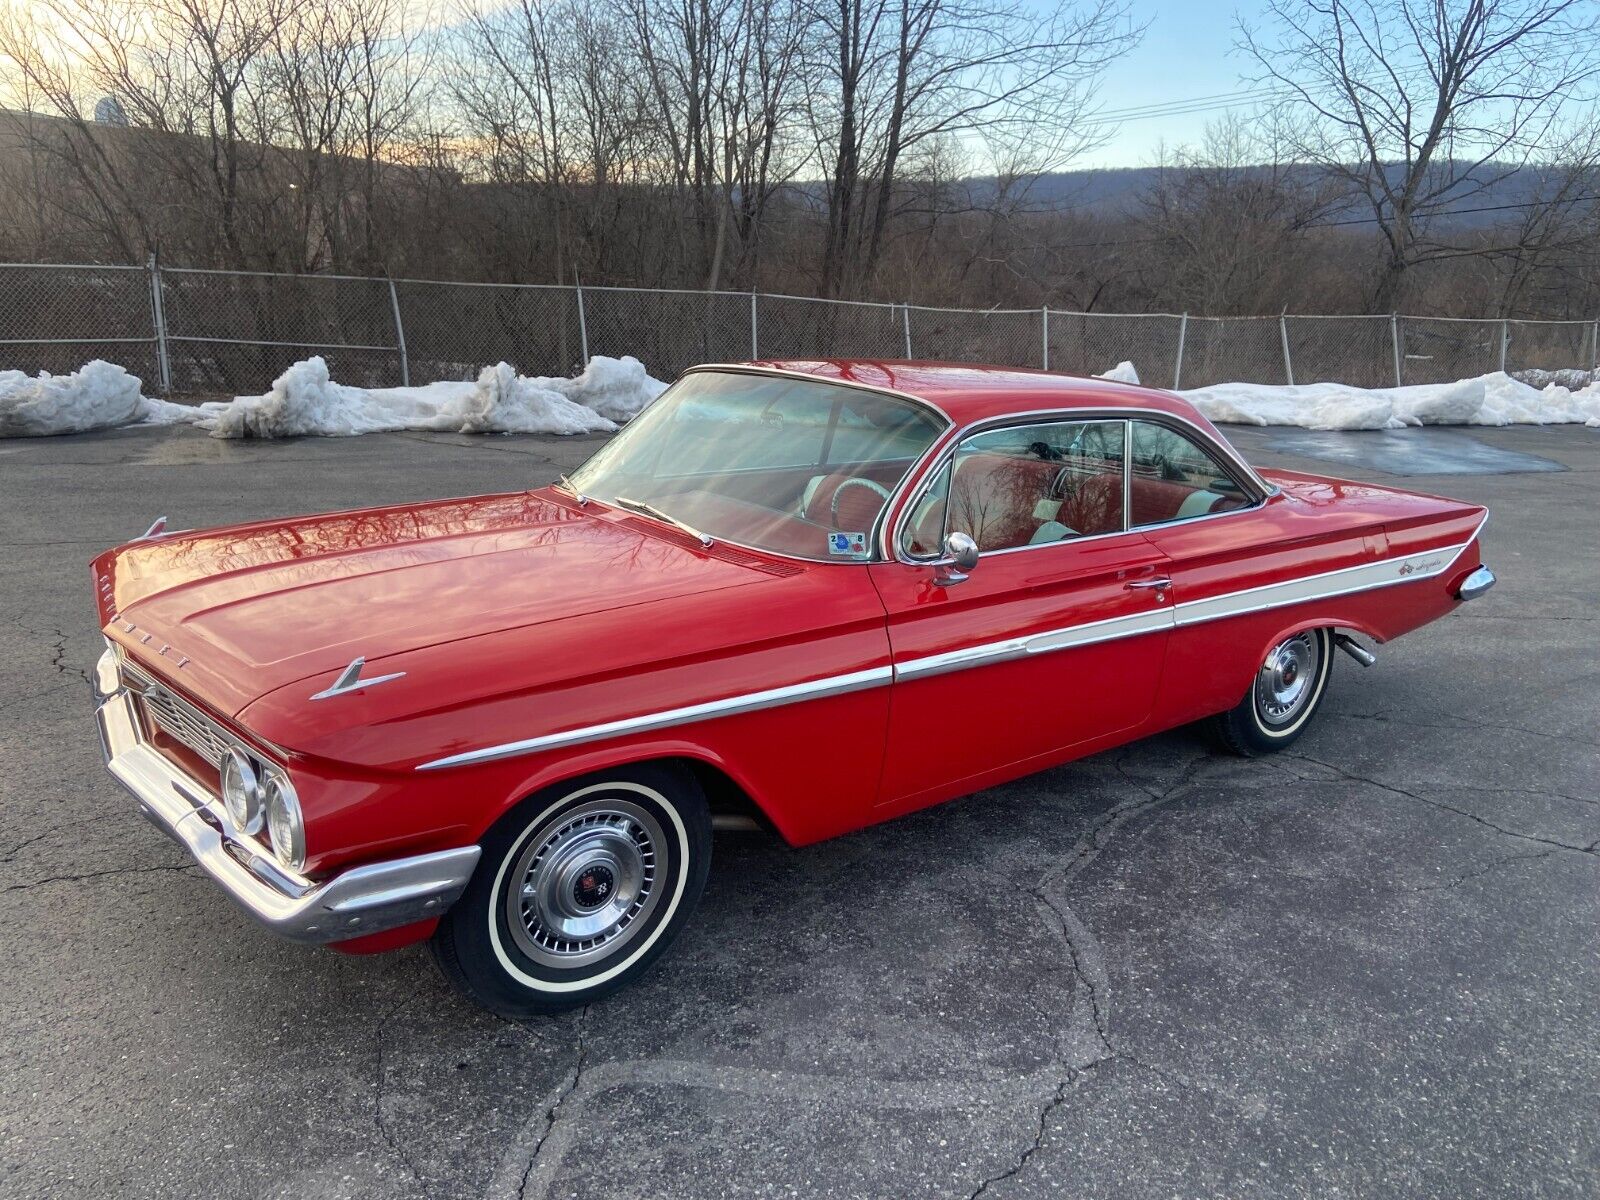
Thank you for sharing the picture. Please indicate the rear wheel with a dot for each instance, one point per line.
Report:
(580, 888)
(1284, 697)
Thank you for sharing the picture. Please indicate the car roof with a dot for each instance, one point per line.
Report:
(968, 392)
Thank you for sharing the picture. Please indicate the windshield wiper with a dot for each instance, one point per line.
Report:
(650, 510)
(566, 484)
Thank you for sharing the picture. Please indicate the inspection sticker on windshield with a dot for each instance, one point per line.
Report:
(852, 544)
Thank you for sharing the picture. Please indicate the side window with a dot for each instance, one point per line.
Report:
(1172, 478)
(1025, 486)
(922, 536)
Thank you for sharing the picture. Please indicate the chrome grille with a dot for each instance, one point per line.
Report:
(177, 717)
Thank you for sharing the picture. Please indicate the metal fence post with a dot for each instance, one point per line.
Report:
(400, 337)
(905, 320)
(755, 344)
(1283, 333)
(158, 319)
(1177, 367)
(1394, 340)
(1594, 347)
(583, 326)
(1505, 342)
(1045, 310)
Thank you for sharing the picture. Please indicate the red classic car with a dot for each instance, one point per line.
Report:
(509, 723)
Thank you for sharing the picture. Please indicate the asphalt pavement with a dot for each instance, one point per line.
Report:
(1366, 967)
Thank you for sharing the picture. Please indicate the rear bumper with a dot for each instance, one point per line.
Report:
(1476, 584)
(361, 901)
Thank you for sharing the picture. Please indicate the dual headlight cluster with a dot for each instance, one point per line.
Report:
(253, 802)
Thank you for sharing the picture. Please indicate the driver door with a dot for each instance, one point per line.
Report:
(1056, 638)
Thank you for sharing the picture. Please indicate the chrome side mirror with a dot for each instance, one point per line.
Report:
(961, 550)
(960, 556)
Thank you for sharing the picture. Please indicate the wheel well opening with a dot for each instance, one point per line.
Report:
(731, 806)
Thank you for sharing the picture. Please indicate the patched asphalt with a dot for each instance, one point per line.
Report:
(1366, 967)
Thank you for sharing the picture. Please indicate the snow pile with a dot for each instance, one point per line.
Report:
(617, 388)
(304, 401)
(504, 402)
(1123, 372)
(98, 395)
(1571, 378)
(1494, 399)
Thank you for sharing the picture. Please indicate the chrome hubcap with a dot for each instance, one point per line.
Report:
(1283, 686)
(584, 883)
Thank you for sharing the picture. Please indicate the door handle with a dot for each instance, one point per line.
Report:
(1163, 582)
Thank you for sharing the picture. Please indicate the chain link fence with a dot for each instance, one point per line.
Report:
(227, 332)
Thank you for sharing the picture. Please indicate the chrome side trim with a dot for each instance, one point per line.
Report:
(1412, 568)
(1424, 564)
(1035, 643)
(362, 900)
(815, 689)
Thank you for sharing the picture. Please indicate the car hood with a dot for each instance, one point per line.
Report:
(232, 614)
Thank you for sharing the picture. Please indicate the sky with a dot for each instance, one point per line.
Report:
(1186, 52)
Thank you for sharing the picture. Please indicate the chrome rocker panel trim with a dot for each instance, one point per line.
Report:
(1410, 568)
(362, 900)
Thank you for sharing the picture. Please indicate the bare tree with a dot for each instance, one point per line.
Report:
(1422, 107)
(1223, 227)
(894, 78)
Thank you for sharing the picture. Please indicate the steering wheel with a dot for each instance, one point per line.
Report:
(833, 508)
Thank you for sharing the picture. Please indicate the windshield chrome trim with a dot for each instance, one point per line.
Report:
(782, 373)
(890, 551)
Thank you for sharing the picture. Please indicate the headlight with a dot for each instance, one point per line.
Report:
(284, 824)
(241, 792)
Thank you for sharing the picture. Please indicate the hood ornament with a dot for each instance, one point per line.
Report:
(158, 527)
(350, 680)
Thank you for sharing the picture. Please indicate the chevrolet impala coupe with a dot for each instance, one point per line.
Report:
(812, 595)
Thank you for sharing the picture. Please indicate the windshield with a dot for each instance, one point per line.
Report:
(795, 466)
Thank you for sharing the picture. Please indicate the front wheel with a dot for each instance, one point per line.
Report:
(1284, 697)
(580, 888)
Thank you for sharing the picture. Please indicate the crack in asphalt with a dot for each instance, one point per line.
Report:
(1520, 619)
(378, 1117)
(553, 1113)
(1028, 1152)
(1488, 869)
(1443, 807)
(23, 887)
(28, 698)
(11, 854)
(1466, 724)
(58, 639)
(1073, 932)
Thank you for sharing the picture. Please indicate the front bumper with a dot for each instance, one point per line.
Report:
(354, 903)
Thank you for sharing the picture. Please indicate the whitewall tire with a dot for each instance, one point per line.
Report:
(1285, 694)
(580, 888)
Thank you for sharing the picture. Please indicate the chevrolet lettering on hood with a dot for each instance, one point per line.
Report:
(800, 596)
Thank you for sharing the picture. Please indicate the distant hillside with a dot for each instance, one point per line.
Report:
(1113, 190)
